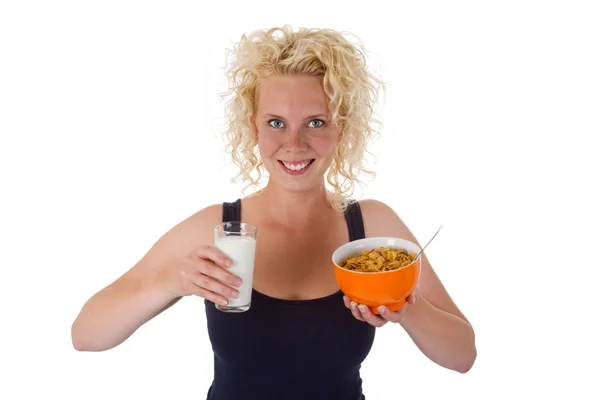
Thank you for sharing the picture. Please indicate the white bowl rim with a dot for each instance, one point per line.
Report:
(374, 239)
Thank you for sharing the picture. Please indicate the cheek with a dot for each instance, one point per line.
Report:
(266, 146)
(323, 145)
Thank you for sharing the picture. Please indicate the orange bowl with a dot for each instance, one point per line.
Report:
(374, 289)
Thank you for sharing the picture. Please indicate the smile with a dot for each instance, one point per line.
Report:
(296, 167)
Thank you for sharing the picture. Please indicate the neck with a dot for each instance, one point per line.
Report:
(295, 208)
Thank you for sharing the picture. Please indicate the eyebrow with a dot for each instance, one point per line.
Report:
(314, 116)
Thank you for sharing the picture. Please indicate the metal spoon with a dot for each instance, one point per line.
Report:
(423, 249)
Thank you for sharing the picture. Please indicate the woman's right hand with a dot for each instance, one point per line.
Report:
(203, 272)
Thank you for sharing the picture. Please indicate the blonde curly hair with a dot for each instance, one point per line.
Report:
(350, 86)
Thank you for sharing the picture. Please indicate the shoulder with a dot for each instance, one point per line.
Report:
(197, 229)
(194, 231)
(380, 219)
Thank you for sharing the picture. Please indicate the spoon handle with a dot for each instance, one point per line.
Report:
(423, 249)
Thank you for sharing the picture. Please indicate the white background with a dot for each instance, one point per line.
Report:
(110, 122)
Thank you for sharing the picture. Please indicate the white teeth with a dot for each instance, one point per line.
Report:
(296, 167)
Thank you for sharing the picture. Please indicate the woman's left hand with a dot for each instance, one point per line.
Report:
(362, 312)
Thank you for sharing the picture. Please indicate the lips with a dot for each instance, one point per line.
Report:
(296, 167)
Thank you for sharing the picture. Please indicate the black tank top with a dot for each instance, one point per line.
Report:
(289, 349)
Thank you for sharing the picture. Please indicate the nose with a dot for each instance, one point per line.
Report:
(295, 141)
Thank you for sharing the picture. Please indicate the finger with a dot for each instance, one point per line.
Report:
(216, 287)
(208, 295)
(391, 316)
(347, 302)
(412, 298)
(215, 255)
(355, 311)
(209, 269)
(371, 318)
(353, 307)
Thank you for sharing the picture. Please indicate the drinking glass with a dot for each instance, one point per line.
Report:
(237, 240)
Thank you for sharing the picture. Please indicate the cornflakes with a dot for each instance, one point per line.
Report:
(379, 260)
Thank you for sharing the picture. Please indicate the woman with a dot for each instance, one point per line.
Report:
(300, 107)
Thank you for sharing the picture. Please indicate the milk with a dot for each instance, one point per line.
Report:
(241, 250)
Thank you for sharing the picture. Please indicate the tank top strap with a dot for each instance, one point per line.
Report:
(232, 212)
(354, 220)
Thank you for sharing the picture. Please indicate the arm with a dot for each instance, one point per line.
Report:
(434, 322)
(113, 314)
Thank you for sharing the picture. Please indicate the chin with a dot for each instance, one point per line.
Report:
(297, 187)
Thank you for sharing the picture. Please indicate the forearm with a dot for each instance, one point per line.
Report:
(116, 312)
(444, 338)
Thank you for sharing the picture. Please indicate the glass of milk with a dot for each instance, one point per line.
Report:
(237, 240)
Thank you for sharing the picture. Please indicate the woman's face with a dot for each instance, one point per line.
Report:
(296, 138)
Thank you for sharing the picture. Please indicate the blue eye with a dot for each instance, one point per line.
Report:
(319, 123)
(275, 123)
